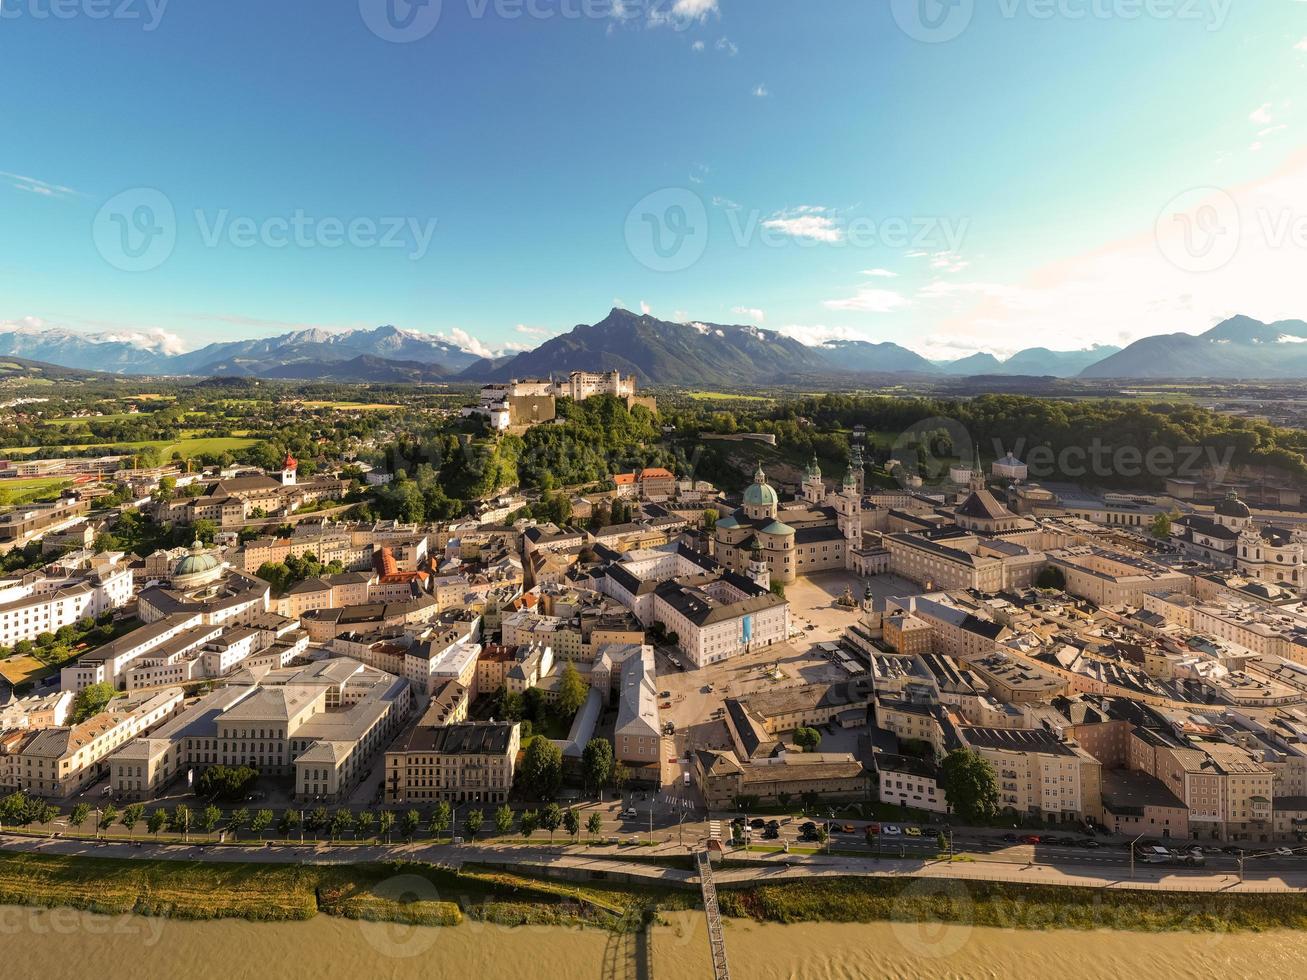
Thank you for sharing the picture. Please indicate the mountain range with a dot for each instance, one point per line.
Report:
(659, 352)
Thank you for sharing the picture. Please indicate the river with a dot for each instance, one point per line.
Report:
(68, 945)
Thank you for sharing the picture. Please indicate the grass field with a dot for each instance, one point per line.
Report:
(25, 491)
(714, 396)
(351, 406)
(188, 447)
(391, 892)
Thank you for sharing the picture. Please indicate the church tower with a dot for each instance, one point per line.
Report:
(814, 491)
(758, 570)
(289, 466)
(848, 506)
(977, 481)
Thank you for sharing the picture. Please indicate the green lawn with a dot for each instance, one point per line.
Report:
(188, 447)
(26, 491)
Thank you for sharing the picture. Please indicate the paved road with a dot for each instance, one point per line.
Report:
(739, 866)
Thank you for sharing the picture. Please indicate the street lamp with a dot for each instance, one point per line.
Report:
(1132, 855)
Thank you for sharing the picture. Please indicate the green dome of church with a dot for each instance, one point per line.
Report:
(198, 562)
(760, 494)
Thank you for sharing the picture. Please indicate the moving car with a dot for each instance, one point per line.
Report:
(630, 813)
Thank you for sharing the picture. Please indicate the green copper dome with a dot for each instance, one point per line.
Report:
(760, 494)
(196, 563)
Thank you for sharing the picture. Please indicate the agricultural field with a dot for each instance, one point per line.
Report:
(26, 491)
(352, 406)
(188, 446)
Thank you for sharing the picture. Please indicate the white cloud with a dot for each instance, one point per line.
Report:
(34, 185)
(534, 331)
(752, 312)
(725, 203)
(948, 262)
(680, 316)
(880, 273)
(1148, 283)
(465, 341)
(1301, 45)
(728, 46)
(760, 92)
(867, 300)
(1272, 130)
(645, 308)
(814, 335)
(810, 222)
(697, 46)
(681, 14)
(1262, 114)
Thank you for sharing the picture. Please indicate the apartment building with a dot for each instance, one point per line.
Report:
(1040, 774)
(59, 762)
(471, 762)
(34, 604)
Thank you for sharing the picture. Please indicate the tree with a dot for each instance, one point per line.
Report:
(365, 824)
(342, 822)
(503, 819)
(181, 820)
(530, 820)
(157, 820)
(970, 786)
(409, 823)
(572, 691)
(597, 763)
(79, 814)
(209, 819)
(572, 823)
(473, 821)
(594, 824)
(287, 822)
(229, 783)
(1050, 577)
(260, 822)
(132, 815)
(442, 819)
(807, 739)
(108, 817)
(316, 820)
(385, 824)
(91, 700)
(237, 821)
(621, 776)
(542, 768)
(550, 817)
(1161, 527)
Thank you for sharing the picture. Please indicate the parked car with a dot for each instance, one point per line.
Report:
(757, 823)
(1283, 852)
(1090, 842)
(848, 828)
(630, 813)
(1031, 839)
(771, 833)
(889, 830)
(1010, 837)
(912, 831)
(930, 830)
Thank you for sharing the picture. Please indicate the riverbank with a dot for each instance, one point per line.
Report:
(419, 893)
(413, 893)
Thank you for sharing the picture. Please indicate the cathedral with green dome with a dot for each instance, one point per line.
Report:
(777, 543)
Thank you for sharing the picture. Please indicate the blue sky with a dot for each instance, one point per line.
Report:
(1008, 186)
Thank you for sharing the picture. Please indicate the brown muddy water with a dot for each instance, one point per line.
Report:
(63, 944)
